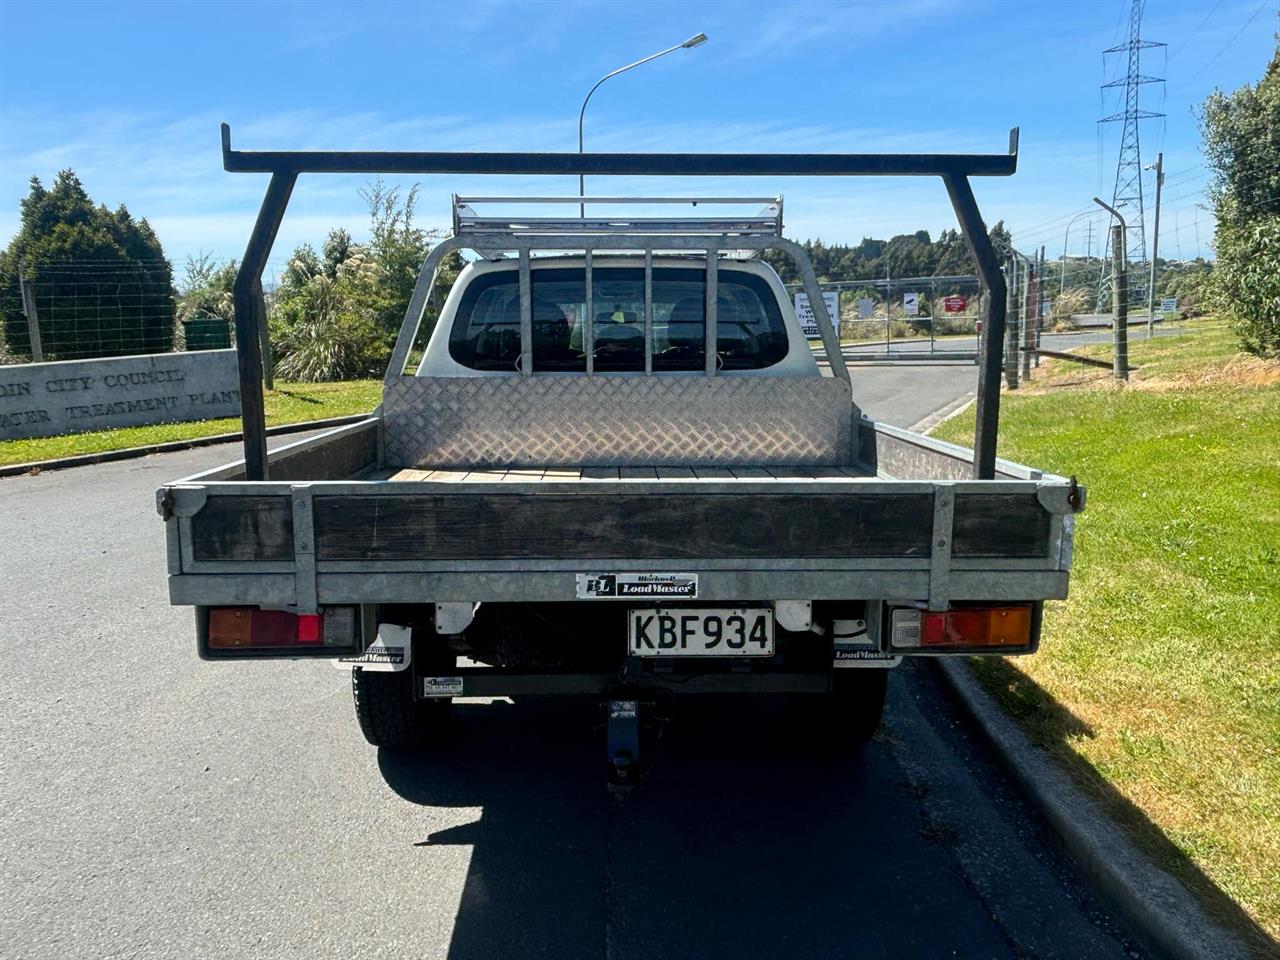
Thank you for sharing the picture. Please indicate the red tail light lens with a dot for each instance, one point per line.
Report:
(232, 627)
(310, 628)
(977, 627)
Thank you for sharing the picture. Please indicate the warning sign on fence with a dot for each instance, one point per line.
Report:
(955, 303)
(809, 323)
(911, 304)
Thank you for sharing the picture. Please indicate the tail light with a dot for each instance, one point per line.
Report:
(1002, 628)
(232, 628)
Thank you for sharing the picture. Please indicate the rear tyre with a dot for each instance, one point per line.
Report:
(848, 716)
(388, 712)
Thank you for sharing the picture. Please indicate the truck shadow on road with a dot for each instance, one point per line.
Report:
(735, 845)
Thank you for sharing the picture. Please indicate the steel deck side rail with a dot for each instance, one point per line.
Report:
(285, 166)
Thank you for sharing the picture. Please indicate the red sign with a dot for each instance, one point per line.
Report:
(954, 303)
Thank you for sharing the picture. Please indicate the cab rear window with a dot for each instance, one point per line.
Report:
(750, 333)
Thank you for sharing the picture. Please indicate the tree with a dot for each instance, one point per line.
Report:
(324, 324)
(103, 286)
(906, 255)
(207, 290)
(399, 247)
(1242, 144)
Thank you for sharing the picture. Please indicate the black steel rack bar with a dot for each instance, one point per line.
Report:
(285, 166)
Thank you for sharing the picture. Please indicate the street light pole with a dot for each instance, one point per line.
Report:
(695, 41)
(1062, 287)
(1155, 245)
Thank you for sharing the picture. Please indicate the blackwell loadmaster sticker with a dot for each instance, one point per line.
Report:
(633, 586)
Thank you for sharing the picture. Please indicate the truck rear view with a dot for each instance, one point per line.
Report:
(616, 468)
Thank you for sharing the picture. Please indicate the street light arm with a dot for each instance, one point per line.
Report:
(1062, 276)
(694, 41)
(630, 66)
(1113, 211)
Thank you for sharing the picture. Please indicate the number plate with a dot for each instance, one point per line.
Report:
(700, 633)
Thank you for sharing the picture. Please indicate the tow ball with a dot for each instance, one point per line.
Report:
(625, 765)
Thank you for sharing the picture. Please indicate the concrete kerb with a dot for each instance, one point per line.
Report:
(107, 456)
(1155, 906)
(943, 414)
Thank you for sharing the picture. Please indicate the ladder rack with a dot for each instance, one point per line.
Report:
(766, 223)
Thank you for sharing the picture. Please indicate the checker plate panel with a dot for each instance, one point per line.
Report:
(489, 422)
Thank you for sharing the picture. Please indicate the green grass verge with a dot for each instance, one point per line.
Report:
(288, 403)
(1158, 681)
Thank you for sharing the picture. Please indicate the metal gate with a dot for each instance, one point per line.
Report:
(909, 319)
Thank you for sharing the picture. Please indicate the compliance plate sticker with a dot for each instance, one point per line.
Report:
(637, 586)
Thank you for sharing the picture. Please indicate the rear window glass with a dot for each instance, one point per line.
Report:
(750, 333)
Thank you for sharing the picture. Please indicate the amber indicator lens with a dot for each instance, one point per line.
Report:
(230, 627)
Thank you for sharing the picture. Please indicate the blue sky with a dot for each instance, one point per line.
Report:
(130, 95)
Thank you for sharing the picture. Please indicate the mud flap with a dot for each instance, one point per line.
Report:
(390, 652)
(853, 645)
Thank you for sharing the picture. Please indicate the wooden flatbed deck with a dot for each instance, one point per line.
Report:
(587, 474)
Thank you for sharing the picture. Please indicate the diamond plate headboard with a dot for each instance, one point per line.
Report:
(519, 421)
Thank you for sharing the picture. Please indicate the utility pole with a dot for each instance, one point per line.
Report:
(33, 320)
(1155, 246)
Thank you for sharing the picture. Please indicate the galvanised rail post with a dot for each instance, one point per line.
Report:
(1119, 295)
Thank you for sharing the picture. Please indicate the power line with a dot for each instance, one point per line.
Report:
(1183, 45)
(1225, 46)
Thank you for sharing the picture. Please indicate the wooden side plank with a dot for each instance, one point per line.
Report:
(1000, 525)
(562, 474)
(243, 528)
(672, 526)
(713, 473)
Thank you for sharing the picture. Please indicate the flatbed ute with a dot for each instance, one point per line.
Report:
(617, 470)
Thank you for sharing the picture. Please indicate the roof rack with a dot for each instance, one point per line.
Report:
(467, 222)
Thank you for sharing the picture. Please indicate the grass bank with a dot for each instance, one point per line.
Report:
(1158, 681)
(288, 403)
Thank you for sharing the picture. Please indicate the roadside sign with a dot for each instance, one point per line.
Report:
(1046, 309)
(955, 303)
(911, 304)
(809, 323)
(866, 308)
(1169, 305)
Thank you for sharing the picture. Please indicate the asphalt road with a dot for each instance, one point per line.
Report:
(157, 806)
(903, 392)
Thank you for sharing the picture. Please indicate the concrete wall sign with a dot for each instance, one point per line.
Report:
(46, 399)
